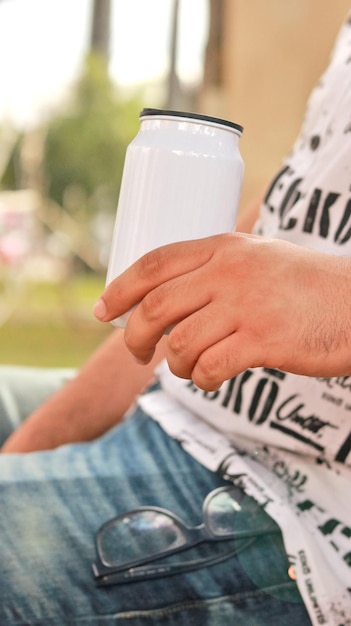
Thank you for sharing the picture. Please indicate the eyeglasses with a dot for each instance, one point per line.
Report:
(129, 547)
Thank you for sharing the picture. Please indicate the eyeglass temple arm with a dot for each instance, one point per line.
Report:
(150, 572)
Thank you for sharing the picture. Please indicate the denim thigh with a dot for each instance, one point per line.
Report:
(52, 504)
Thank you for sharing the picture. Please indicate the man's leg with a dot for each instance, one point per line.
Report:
(53, 503)
(23, 389)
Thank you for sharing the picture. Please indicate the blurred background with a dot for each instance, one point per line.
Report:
(74, 76)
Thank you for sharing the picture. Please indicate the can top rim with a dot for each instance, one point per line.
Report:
(149, 112)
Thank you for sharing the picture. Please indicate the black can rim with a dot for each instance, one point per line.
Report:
(149, 112)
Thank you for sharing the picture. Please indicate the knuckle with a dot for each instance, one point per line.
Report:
(178, 342)
(152, 263)
(208, 372)
(152, 303)
(186, 336)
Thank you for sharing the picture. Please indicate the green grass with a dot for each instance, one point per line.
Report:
(51, 324)
(49, 345)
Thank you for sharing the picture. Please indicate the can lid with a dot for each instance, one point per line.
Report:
(195, 116)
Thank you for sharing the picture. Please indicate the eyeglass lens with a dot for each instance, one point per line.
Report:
(230, 511)
(140, 533)
(221, 511)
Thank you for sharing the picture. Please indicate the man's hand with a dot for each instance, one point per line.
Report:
(236, 301)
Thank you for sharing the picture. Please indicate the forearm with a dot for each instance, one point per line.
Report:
(89, 404)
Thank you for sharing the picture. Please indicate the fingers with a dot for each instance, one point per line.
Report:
(192, 307)
(180, 287)
(223, 360)
(152, 270)
(160, 310)
(195, 334)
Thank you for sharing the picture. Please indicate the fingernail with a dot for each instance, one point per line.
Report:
(99, 309)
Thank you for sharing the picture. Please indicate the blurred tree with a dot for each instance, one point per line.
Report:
(213, 71)
(100, 28)
(10, 174)
(174, 91)
(85, 146)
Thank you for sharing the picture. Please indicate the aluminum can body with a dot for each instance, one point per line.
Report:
(181, 180)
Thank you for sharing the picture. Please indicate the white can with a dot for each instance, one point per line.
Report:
(181, 180)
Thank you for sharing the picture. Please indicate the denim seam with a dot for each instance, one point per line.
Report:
(201, 603)
(193, 605)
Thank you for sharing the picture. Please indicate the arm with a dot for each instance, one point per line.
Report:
(100, 394)
(91, 403)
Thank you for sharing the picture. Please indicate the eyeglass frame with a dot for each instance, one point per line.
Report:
(140, 569)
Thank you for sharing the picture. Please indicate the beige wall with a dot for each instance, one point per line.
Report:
(274, 52)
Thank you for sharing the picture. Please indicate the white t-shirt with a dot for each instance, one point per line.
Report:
(287, 438)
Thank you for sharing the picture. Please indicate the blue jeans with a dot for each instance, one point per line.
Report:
(52, 504)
